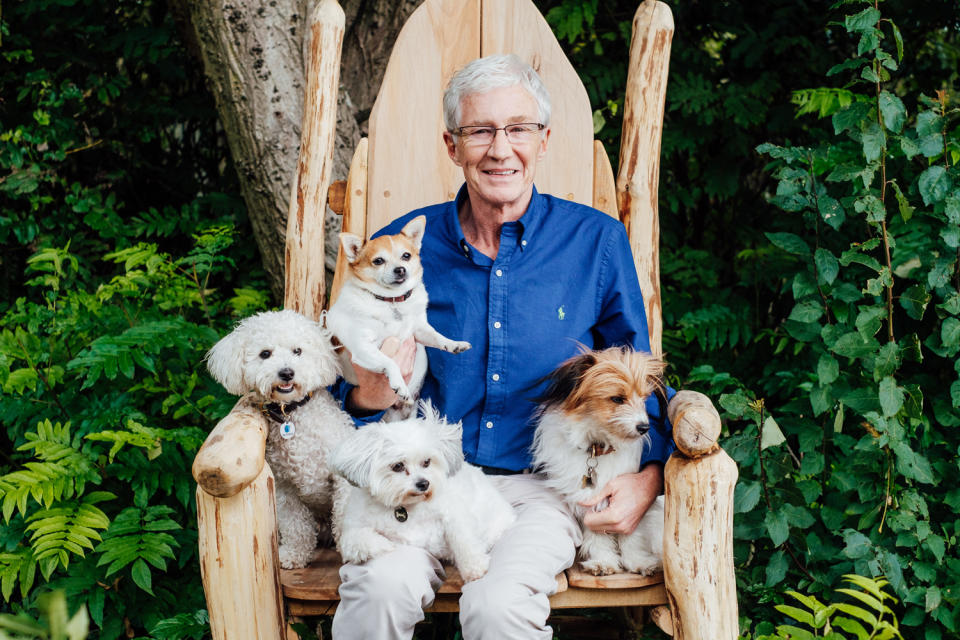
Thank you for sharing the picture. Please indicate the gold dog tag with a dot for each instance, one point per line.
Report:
(589, 480)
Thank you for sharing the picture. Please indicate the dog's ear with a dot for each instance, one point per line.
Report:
(225, 361)
(564, 380)
(353, 457)
(449, 435)
(414, 230)
(351, 246)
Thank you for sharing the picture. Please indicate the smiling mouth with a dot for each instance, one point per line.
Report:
(286, 387)
(500, 172)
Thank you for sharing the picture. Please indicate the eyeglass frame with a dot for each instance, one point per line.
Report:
(466, 136)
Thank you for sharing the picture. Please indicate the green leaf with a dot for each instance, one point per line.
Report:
(932, 599)
(891, 397)
(931, 145)
(854, 345)
(893, 112)
(887, 361)
(777, 527)
(934, 184)
(831, 211)
(950, 333)
(140, 573)
(915, 300)
(777, 568)
(789, 242)
(746, 496)
(827, 266)
(911, 464)
(828, 369)
(874, 141)
(866, 20)
(906, 211)
(857, 544)
(772, 435)
(806, 311)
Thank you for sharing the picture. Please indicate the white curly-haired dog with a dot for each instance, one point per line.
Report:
(287, 361)
(592, 428)
(412, 486)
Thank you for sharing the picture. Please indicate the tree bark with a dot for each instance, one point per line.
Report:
(253, 57)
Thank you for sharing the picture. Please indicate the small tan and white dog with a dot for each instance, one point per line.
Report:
(286, 361)
(382, 296)
(410, 485)
(592, 428)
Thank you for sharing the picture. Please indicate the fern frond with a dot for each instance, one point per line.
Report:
(66, 530)
(715, 326)
(136, 537)
(17, 567)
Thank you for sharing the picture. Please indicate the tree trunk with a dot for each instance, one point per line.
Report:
(253, 58)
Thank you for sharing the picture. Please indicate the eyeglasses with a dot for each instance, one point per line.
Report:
(483, 135)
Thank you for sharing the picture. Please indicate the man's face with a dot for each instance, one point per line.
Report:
(499, 174)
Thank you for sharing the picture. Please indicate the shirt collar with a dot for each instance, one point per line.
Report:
(527, 226)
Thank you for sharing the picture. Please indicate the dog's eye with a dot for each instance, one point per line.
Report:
(618, 399)
(297, 351)
(426, 463)
(378, 261)
(265, 354)
(397, 468)
(405, 257)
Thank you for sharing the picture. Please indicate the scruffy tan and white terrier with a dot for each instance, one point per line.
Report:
(382, 296)
(592, 428)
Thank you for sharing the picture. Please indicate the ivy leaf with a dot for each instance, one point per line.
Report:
(777, 527)
(891, 397)
(934, 183)
(789, 242)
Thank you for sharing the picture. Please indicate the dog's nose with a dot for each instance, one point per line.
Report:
(285, 374)
(642, 428)
(422, 484)
(400, 271)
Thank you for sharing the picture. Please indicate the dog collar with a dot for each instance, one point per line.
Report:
(394, 299)
(400, 513)
(596, 449)
(279, 412)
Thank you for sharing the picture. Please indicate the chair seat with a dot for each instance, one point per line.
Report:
(313, 590)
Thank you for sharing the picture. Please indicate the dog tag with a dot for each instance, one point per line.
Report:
(400, 513)
(287, 430)
(589, 480)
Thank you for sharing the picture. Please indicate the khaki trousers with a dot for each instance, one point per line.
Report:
(384, 598)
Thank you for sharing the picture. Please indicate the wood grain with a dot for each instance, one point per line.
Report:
(639, 175)
(232, 455)
(696, 423)
(304, 257)
(354, 211)
(698, 558)
(604, 184)
(238, 562)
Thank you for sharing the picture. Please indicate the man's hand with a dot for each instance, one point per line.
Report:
(628, 497)
(373, 392)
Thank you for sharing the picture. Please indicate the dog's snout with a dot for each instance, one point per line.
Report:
(286, 374)
(400, 271)
(422, 484)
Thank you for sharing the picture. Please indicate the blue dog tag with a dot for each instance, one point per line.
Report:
(287, 430)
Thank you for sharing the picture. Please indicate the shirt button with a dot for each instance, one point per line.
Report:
(489, 425)
(496, 377)
(496, 325)
(499, 272)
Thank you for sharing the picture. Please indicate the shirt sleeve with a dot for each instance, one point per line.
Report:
(622, 320)
(340, 390)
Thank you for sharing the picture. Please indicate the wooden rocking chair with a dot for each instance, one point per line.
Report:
(403, 165)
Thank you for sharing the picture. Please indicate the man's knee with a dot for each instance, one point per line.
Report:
(490, 606)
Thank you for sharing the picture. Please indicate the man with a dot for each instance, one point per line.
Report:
(523, 277)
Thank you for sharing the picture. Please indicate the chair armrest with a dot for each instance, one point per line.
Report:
(699, 480)
(232, 455)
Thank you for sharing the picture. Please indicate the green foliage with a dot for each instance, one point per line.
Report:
(842, 620)
(55, 623)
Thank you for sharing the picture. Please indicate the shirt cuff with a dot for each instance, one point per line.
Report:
(340, 390)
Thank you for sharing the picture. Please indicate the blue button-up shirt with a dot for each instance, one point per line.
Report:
(563, 275)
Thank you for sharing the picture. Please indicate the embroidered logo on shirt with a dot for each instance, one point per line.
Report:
(561, 314)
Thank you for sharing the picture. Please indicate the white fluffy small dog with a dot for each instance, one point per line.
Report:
(411, 486)
(382, 296)
(592, 428)
(287, 361)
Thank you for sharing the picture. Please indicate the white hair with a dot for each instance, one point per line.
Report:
(493, 72)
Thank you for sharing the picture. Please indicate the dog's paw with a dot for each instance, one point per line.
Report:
(645, 567)
(459, 347)
(292, 559)
(404, 397)
(473, 568)
(600, 567)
